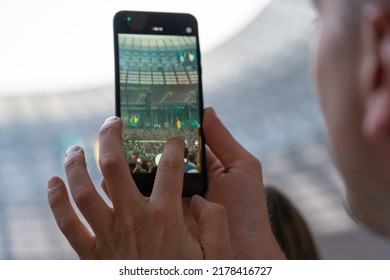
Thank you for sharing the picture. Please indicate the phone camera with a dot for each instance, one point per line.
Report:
(189, 30)
(136, 21)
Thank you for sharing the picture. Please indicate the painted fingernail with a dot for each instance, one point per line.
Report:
(53, 182)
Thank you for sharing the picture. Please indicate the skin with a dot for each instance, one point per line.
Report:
(135, 227)
(351, 69)
(196, 223)
(228, 166)
(352, 73)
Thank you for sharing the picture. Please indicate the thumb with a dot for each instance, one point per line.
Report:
(213, 225)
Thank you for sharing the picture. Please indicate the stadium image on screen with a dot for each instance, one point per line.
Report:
(159, 93)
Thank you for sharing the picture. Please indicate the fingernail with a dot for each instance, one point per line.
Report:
(111, 119)
(176, 140)
(71, 150)
(211, 109)
(53, 182)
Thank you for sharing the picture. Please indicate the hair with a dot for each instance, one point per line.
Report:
(289, 228)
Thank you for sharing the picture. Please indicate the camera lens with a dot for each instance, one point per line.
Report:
(136, 21)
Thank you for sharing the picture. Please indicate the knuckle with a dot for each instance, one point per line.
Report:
(108, 163)
(66, 226)
(162, 215)
(255, 163)
(55, 198)
(74, 162)
(171, 163)
(82, 197)
(105, 131)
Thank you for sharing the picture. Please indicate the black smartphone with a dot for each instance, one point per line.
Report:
(158, 93)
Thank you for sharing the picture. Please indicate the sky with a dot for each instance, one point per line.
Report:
(58, 46)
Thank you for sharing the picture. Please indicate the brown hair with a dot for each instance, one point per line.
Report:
(289, 228)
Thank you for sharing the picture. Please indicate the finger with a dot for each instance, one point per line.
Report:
(104, 187)
(222, 143)
(91, 204)
(213, 163)
(168, 185)
(189, 218)
(67, 220)
(213, 228)
(123, 191)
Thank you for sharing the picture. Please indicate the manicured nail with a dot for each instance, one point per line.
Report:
(53, 182)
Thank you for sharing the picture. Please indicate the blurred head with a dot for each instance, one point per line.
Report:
(352, 74)
(289, 227)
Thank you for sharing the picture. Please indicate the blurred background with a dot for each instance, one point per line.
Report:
(57, 88)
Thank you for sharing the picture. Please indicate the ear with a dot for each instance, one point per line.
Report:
(376, 71)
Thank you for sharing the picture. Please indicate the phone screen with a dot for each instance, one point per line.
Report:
(159, 94)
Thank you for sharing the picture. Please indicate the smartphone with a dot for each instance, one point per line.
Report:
(158, 93)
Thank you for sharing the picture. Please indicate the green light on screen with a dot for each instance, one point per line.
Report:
(129, 18)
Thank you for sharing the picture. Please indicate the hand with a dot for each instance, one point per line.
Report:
(236, 182)
(135, 227)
